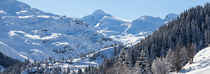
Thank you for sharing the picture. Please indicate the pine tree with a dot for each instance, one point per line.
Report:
(115, 51)
(79, 71)
(124, 63)
(68, 70)
(142, 64)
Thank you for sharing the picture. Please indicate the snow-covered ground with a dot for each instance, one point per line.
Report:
(200, 65)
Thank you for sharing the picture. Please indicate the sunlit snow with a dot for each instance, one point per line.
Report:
(200, 65)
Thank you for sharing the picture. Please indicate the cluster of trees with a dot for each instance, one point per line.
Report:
(184, 36)
(6, 61)
(174, 60)
(39, 67)
(17, 68)
(122, 65)
(168, 49)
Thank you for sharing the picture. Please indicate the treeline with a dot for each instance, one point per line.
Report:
(6, 61)
(39, 67)
(168, 49)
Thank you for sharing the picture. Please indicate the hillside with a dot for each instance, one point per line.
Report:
(38, 35)
(168, 48)
(192, 26)
(10, 52)
(200, 65)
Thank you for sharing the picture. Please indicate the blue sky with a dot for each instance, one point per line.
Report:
(127, 9)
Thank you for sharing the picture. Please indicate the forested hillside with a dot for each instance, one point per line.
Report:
(168, 49)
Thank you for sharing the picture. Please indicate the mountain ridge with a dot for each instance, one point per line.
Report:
(39, 35)
(123, 30)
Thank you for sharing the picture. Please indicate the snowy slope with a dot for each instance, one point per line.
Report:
(111, 25)
(106, 23)
(200, 65)
(126, 31)
(145, 24)
(39, 35)
(170, 17)
(10, 52)
(96, 17)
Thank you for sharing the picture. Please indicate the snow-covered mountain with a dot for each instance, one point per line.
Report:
(38, 35)
(125, 31)
(200, 65)
(95, 18)
(170, 17)
(29, 33)
(145, 24)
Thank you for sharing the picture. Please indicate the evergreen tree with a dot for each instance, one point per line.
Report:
(142, 64)
(160, 66)
(68, 70)
(79, 71)
(124, 63)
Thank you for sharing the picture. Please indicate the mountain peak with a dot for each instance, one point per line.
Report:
(171, 16)
(95, 17)
(12, 6)
(100, 12)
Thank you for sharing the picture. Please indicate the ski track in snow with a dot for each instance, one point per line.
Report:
(129, 25)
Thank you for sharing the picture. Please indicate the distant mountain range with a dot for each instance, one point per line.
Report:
(29, 33)
(126, 31)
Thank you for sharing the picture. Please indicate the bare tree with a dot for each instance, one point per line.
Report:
(192, 52)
